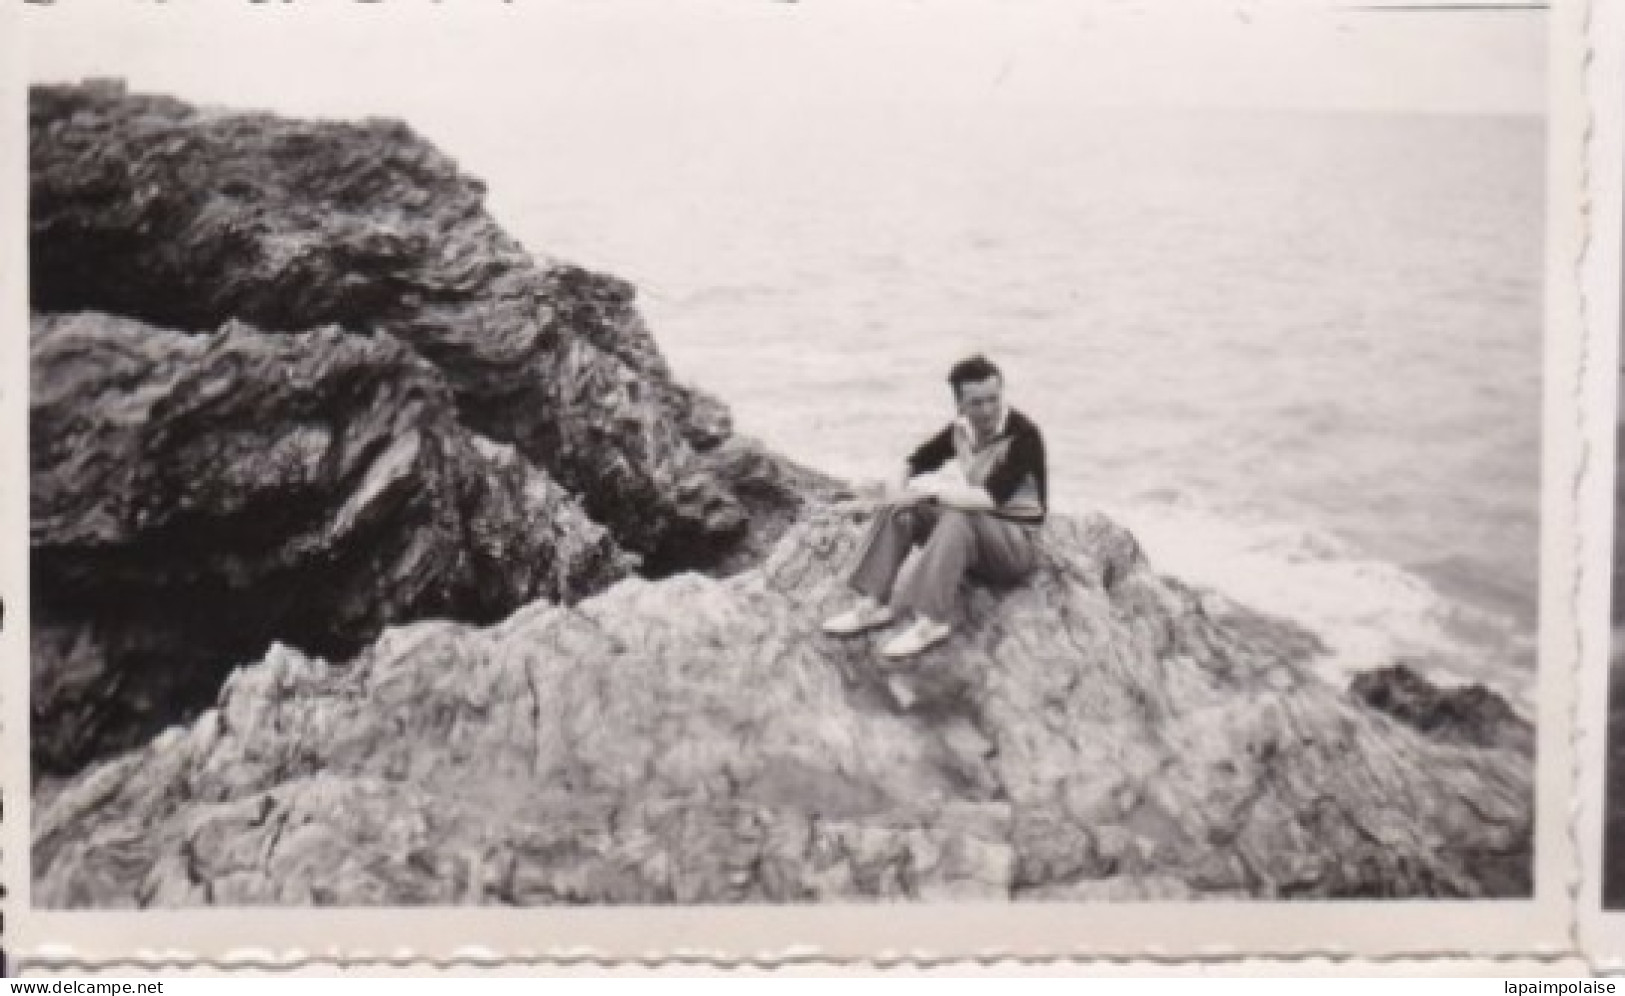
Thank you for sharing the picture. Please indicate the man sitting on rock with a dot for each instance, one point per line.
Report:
(972, 497)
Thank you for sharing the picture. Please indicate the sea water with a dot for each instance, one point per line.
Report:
(1299, 354)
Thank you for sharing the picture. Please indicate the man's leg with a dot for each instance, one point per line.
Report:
(892, 534)
(949, 551)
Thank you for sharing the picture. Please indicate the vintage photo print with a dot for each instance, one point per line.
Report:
(829, 477)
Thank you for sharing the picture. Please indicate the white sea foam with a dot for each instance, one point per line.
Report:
(1368, 612)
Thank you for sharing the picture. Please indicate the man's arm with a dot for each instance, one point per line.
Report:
(931, 454)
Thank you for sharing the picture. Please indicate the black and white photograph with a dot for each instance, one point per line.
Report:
(785, 454)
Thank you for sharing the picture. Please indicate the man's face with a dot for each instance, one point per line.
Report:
(980, 401)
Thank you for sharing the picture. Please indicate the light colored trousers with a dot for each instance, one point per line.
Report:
(954, 544)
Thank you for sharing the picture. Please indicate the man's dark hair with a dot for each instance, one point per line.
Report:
(972, 370)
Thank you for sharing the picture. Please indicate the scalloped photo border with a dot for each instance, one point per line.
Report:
(1543, 931)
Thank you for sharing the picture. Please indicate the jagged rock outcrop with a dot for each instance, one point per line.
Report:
(1613, 796)
(291, 382)
(146, 207)
(1096, 733)
(196, 498)
(1613, 834)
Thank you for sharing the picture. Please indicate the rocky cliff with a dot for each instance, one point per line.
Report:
(291, 381)
(528, 624)
(1099, 733)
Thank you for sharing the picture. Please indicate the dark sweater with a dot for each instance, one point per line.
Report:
(1010, 466)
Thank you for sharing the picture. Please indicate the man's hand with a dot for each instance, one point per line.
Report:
(966, 498)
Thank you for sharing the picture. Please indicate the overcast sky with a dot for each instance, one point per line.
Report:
(343, 57)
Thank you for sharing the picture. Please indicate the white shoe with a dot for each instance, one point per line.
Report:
(864, 616)
(924, 633)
